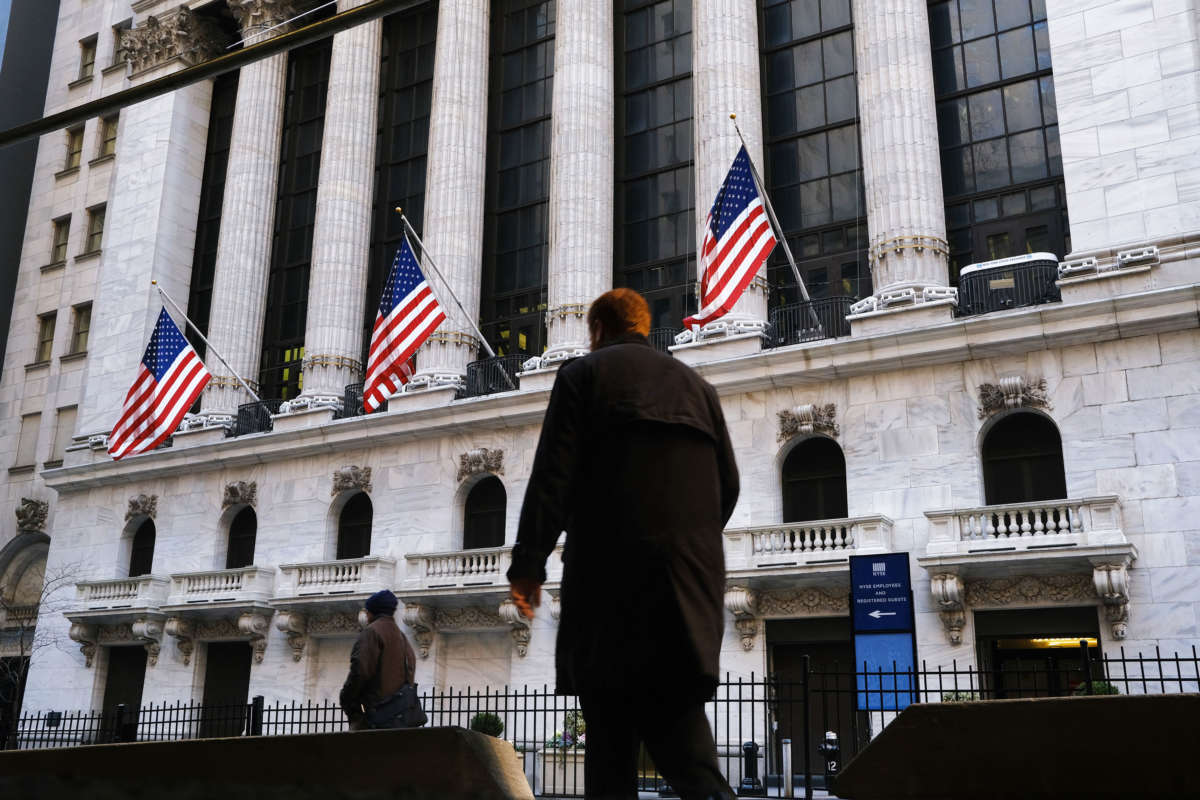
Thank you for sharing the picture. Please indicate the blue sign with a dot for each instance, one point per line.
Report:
(881, 593)
(884, 671)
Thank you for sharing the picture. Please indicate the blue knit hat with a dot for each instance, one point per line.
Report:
(382, 602)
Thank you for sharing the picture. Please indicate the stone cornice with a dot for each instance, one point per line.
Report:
(988, 336)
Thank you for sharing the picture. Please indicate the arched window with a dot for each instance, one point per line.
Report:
(814, 481)
(354, 527)
(242, 532)
(141, 556)
(1022, 461)
(483, 523)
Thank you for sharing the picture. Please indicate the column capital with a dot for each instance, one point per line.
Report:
(254, 16)
(181, 35)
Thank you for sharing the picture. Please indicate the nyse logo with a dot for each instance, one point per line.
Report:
(878, 568)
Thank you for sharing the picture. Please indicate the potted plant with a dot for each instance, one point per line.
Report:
(487, 722)
(562, 756)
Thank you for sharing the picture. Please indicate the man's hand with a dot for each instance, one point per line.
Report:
(527, 594)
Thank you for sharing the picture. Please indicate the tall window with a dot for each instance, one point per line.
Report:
(118, 31)
(95, 230)
(82, 324)
(108, 137)
(212, 195)
(483, 521)
(814, 481)
(45, 343)
(295, 213)
(74, 148)
(141, 555)
(31, 425)
(1022, 460)
(64, 429)
(513, 301)
(58, 247)
(405, 92)
(242, 533)
(354, 527)
(998, 128)
(813, 170)
(87, 58)
(655, 224)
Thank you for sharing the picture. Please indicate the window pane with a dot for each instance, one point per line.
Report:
(986, 209)
(847, 204)
(991, 164)
(1049, 108)
(814, 203)
(814, 156)
(810, 107)
(806, 18)
(843, 149)
(834, 14)
(1011, 13)
(27, 443)
(1016, 53)
(839, 54)
(957, 173)
(1022, 106)
(808, 67)
(953, 122)
(777, 25)
(1028, 156)
(980, 60)
(987, 116)
(1013, 204)
(1041, 38)
(948, 71)
(943, 24)
(839, 99)
(976, 17)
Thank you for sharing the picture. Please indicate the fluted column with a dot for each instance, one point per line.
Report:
(454, 185)
(905, 211)
(725, 80)
(581, 176)
(342, 228)
(247, 214)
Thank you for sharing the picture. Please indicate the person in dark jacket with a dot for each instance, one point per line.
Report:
(381, 661)
(635, 464)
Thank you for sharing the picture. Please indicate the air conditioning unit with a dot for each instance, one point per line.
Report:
(1026, 280)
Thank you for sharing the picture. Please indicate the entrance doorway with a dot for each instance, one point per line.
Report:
(1037, 652)
(226, 686)
(123, 686)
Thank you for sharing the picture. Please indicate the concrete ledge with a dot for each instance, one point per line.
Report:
(1139, 746)
(425, 764)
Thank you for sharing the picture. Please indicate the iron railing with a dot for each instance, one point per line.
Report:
(492, 375)
(255, 417)
(808, 322)
(661, 339)
(1002, 288)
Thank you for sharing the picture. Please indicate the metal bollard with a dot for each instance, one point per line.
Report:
(750, 784)
(832, 752)
(788, 789)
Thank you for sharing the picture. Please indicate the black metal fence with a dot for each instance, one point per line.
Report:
(491, 375)
(255, 417)
(809, 322)
(661, 339)
(998, 289)
(763, 725)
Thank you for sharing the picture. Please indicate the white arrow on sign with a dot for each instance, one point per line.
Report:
(876, 614)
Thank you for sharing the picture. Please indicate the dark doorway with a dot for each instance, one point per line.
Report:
(242, 533)
(1022, 461)
(13, 673)
(1036, 652)
(141, 555)
(226, 686)
(354, 527)
(123, 686)
(814, 481)
(483, 523)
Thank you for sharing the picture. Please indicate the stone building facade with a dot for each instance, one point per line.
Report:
(265, 202)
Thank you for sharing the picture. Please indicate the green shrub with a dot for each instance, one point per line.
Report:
(959, 696)
(486, 722)
(1098, 687)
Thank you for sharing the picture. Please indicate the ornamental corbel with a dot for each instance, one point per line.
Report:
(1112, 586)
(294, 625)
(351, 479)
(420, 619)
(1013, 391)
(518, 625)
(555, 607)
(743, 604)
(255, 625)
(31, 515)
(480, 460)
(85, 635)
(149, 632)
(181, 630)
(948, 593)
(240, 493)
(804, 420)
(144, 505)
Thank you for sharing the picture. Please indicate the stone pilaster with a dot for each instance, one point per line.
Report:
(581, 176)
(905, 211)
(342, 229)
(454, 186)
(235, 326)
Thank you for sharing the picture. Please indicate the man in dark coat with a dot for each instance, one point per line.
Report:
(381, 661)
(635, 464)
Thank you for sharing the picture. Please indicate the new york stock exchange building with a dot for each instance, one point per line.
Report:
(994, 206)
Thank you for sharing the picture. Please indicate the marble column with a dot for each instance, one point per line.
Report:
(581, 176)
(454, 187)
(342, 228)
(906, 214)
(725, 80)
(235, 327)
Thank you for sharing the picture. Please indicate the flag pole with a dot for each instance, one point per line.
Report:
(167, 298)
(787, 251)
(433, 265)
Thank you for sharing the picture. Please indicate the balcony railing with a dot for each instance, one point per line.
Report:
(1030, 281)
(1027, 526)
(661, 339)
(809, 322)
(23, 616)
(255, 417)
(815, 542)
(144, 591)
(483, 567)
(328, 578)
(492, 375)
(215, 586)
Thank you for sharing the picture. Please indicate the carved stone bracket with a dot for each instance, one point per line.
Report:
(1012, 392)
(480, 460)
(255, 625)
(807, 419)
(351, 479)
(295, 626)
(743, 604)
(150, 633)
(181, 630)
(420, 619)
(257, 15)
(31, 515)
(87, 636)
(240, 493)
(555, 607)
(518, 625)
(144, 505)
(181, 35)
(1112, 585)
(948, 593)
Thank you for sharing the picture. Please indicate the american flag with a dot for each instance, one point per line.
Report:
(408, 313)
(170, 378)
(737, 240)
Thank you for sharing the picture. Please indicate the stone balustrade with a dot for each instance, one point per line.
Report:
(16, 617)
(144, 591)
(486, 566)
(244, 584)
(326, 578)
(812, 542)
(1026, 526)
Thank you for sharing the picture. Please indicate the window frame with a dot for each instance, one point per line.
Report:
(74, 155)
(81, 312)
(107, 140)
(95, 229)
(44, 348)
(58, 249)
(27, 440)
(87, 57)
(118, 51)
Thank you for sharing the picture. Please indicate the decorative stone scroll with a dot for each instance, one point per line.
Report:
(1112, 585)
(743, 604)
(1012, 392)
(240, 493)
(294, 625)
(182, 35)
(87, 636)
(555, 606)
(351, 479)
(255, 625)
(31, 515)
(150, 633)
(480, 460)
(420, 619)
(185, 638)
(144, 505)
(807, 419)
(948, 592)
(518, 625)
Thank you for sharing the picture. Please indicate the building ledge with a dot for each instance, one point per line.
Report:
(66, 173)
(98, 160)
(75, 84)
(36, 365)
(52, 266)
(82, 354)
(88, 255)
